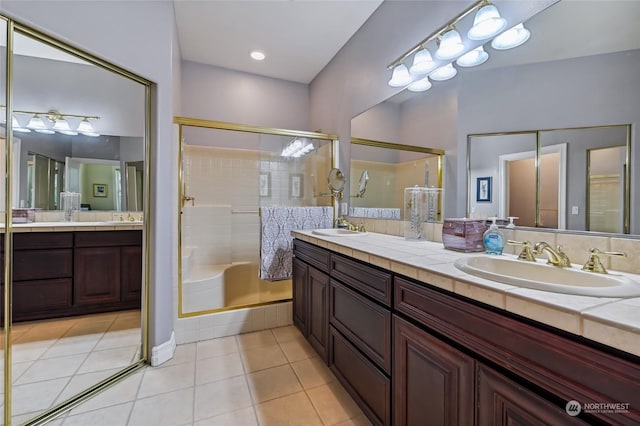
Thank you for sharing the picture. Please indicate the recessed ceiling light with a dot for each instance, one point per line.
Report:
(257, 55)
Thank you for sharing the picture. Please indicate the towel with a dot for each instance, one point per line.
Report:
(375, 212)
(276, 242)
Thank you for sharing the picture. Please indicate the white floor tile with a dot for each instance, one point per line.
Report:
(109, 416)
(221, 397)
(168, 409)
(163, 380)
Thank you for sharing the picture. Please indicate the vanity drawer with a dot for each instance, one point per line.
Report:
(370, 281)
(311, 254)
(108, 238)
(42, 264)
(368, 386)
(42, 240)
(365, 323)
(40, 296)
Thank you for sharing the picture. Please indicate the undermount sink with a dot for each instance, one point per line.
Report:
(540, 276)
(337, 232)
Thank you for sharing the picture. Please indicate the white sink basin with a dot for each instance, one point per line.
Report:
(337, 232)
(540, 276)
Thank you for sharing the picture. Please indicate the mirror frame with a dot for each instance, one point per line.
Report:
(12, 28)
(538, 149)
(401, 147)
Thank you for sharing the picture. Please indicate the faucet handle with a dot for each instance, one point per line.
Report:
(526, 253)
(593, 263)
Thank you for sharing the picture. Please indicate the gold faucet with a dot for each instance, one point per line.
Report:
(554, 257)
(341, 222)
(593, 263)
(526, 253)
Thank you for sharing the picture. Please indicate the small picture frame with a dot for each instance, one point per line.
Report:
(100, 190)
(483, 189)
(265, 184)
(296, 185)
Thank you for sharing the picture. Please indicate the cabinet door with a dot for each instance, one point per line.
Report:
(299, 284)
(318, 311)
(96, 275)
(433, 382)
(504, 402)
(131, 273)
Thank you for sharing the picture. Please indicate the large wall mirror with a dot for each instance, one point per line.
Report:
(387, 156)
(75, 321)
(575, 179)
(380, 171)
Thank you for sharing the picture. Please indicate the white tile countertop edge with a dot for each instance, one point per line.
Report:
(73, 226)
(610, 321)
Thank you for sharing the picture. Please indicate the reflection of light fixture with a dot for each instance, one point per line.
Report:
(420, 85)
(444, 73)
(297, 148)
(62, 126)
(511, 38)
(423, 62)
(450, 45)
(58, 123)
(400, 76)
(257, 55)
(475, 57)
(17, 127)
(487, 23)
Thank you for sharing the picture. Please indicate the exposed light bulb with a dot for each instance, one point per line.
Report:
(257, 55)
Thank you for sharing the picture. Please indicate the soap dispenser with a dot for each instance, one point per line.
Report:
(493, 238)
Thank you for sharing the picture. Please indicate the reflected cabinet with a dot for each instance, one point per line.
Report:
(79, 155)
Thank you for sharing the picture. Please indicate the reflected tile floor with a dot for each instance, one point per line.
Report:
(269, 378)
(55, 359)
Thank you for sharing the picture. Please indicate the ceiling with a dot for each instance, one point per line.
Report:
(299, 37)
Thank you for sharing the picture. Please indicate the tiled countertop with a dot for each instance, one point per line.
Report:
(74, 226)
(610, 321)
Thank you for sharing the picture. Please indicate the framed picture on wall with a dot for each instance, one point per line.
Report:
(483, 189)
(296, 185)
(100, 190)
(265, 184)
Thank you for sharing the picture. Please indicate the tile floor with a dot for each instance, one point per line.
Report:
(55, 359)
(270, 378)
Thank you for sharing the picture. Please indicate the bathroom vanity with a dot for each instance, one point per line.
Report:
(416, 342)
(75, 269)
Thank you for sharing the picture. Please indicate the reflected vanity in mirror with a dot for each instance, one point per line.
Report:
(385, 170)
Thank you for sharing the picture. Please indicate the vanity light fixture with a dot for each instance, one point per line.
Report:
(59, 123)
(17, 127)
(450, 45)
(473, 58)
(420, 85)
(443, 73)
(400, 76)
(423, 62)
(297, 148)
(487, 23)
(511, 38)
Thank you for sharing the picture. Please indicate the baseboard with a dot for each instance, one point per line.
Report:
(164, 352)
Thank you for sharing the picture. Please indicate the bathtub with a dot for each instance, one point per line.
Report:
(223, 286)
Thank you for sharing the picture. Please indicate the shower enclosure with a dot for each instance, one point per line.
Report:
(228, 172)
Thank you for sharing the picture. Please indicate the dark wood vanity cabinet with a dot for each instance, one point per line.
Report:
(413, 354)
(58, 274)
(311, 295)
